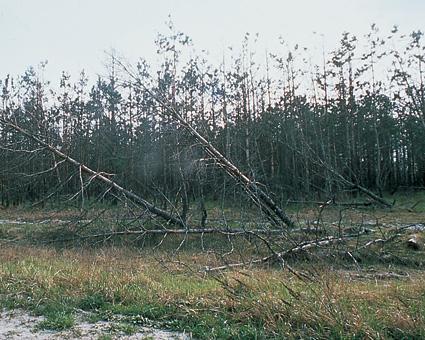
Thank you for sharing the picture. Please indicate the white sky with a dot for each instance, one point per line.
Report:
(73, 34)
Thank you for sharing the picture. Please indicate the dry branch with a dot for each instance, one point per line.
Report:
(165, 231)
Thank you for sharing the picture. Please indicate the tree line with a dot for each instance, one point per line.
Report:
(303, 127)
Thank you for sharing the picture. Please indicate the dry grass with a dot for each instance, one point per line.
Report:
(248, 303)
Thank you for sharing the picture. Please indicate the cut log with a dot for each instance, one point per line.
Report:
(413, 243)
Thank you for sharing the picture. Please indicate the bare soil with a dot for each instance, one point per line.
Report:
(19, 324)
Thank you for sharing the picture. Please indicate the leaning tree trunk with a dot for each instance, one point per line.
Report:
(259, 196)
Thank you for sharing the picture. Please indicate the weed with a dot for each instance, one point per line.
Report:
(92, 301)
(57, 321)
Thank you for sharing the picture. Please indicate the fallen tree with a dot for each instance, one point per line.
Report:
(276, 214)
(100, 176)
(342, 179)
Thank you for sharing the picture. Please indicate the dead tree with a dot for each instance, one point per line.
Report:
(357, 186)
(318, 160)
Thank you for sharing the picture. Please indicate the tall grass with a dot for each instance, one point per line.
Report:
(254, 303)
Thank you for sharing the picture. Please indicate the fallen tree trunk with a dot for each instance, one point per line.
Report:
(372, 195)
(357, 186)
(345, 204)
(280, 256)
(347, 182)
(260, 197)
(99, 176)
(188, 231)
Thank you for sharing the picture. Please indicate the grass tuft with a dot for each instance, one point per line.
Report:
(57, 321)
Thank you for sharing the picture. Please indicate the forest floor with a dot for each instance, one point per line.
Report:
(115, 289)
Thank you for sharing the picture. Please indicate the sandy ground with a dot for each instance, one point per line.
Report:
(18, 324)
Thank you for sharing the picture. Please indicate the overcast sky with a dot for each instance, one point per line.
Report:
(73, 34)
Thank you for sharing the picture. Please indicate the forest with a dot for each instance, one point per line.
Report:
(294, 126)
(271, 194)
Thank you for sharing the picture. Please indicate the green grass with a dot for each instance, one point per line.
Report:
(105, 337)
(57, 321)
